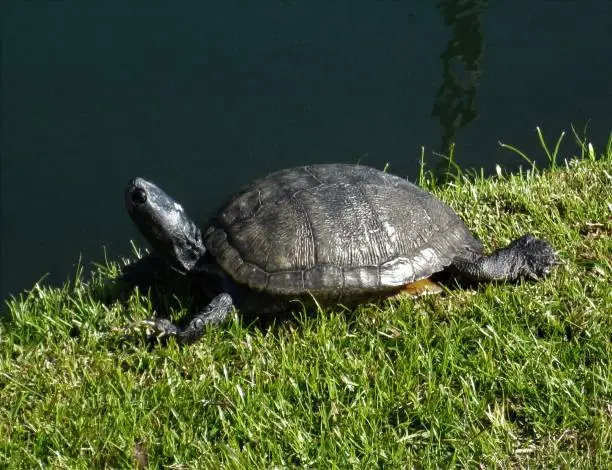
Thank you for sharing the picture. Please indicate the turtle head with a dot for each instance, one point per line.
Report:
(164, 223)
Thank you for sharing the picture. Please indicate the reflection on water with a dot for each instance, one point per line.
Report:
(455, 104)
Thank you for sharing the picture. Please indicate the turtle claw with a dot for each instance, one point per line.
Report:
(215, 313)
(161, 328)
(538, 256)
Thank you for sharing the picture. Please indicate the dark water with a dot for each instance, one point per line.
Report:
(202, 99)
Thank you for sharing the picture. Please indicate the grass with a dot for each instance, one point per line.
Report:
(498, 376)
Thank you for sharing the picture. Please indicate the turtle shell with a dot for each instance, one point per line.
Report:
(334, 229)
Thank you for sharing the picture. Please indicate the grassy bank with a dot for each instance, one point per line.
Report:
(508, 375)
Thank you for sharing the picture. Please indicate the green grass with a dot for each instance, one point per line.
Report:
(498, 376)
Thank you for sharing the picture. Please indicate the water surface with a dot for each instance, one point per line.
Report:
(204, 98)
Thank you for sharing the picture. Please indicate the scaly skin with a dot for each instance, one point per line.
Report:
(215, 313)
(525, 258)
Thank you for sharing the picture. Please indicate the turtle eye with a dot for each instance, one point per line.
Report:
(139, 196)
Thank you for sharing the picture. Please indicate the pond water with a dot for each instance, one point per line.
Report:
(202, 98)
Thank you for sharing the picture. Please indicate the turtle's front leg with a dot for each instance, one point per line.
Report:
(215, 313)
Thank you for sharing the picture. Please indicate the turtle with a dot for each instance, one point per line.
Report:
(326, 233)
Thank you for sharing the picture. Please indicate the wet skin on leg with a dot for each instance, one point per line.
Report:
(215, 313)
(527, 257)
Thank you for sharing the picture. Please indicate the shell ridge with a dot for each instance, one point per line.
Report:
(380, 229)
(310, 229)
(312, 175)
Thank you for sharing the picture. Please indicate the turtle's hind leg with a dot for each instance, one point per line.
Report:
(215, 313)
(527, 257)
